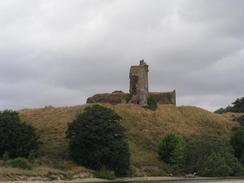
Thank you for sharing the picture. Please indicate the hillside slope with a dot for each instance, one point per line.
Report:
(145, 129)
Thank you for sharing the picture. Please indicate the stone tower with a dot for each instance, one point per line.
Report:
(139, 83)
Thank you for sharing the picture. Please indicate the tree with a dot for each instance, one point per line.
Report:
(172, 150)
(215, 165)
(97, 140)
(152, 103)
(210, 155)
(17, 138)
(237, 142)
(237, 106)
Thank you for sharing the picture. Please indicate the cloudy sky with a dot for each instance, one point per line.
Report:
(59, 52)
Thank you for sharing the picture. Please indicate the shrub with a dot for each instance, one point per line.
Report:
(221, 111)
(211, 156)
(16, 138)
(5, 156)
(172, 150)
(21, 163)
(35, 153)
(217, 164)
(237, 142)
(240, 119)
(97, 140)
(128, 98)
(152, 103)
(104, 173)
(59, 165)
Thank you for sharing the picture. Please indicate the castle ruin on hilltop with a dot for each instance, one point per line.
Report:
(138, 92)
(139, 83)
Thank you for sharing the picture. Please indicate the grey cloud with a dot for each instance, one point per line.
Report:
(60, 52)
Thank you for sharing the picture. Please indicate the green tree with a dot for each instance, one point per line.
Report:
(172, 150)
(210, 155)
(97, 140)
(17, 138)
(237, 106)
(215, 164)
(152, 103)
(237, 142)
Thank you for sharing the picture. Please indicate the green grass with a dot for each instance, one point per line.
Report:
(21, 163)
(104, 173)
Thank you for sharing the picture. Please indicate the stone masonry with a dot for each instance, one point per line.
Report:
(138, 91)
(139, 83)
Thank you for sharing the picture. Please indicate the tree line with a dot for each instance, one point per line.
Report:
(237, 106)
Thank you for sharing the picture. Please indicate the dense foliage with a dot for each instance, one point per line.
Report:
(237, 142)
(211, 156)
(17, 139)
(97, 140)
(172, 150)
(237, 106)
(240, 120)
(152, 103)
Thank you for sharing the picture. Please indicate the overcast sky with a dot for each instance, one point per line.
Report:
(59, 52)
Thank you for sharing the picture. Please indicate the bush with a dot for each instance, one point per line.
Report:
(172, 150)
(211, 156)
(128, 98)
(97, 140)
(152, 103)
(215, 164)
(5, 156)
(237, 142)
(35, 153)
(104, 173)
(21, 163)
(240, 119)
(17, 139)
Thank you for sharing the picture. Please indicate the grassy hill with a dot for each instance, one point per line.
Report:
(145, 129)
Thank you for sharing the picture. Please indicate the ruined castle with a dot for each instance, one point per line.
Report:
(138, 93)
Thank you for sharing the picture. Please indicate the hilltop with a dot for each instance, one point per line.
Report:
(145, 129)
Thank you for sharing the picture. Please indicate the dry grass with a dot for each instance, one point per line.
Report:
(231, 115)
(45, 169)
(145, 127)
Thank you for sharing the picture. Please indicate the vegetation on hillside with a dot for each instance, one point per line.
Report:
(97, 140)
(172, 150)
(145, 130)
(17, 138)
(203, 154)
(152, 103)
(210, 155)
(237, 142)
(178, 128)
(237, 106)
(21, 163)
(239, 119)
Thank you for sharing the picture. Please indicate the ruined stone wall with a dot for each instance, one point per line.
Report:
(118, 98)
(111, 98)
(164, 97)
